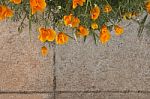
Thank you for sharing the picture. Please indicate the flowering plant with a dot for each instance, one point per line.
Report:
(83, 16)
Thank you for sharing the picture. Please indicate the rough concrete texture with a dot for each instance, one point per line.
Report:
(122, 64)
(103, 96)
(22, 68)
(117, 70)
(26, 96)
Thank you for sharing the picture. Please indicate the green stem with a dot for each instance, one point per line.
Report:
(70, 36)
(87, 3)
(21, 24)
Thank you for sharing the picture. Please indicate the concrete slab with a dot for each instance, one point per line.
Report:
(26, 96)
(103, 96)
(122, 64)
(22, 68)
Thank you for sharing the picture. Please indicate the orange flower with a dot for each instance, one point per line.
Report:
(2, 11)
(104, 34)
(44, 51)
(16, 1)
(46, 34)
(94, 26)
(118, 30)
(77, 2)
(83, 31)
(5, 12)
(37, 5)
(61, 38)
(68, 19)
(43, 34)
(75, 22)
(147, 6)
(71, 21)
(95, 12)
(8, 13)
(107, 8)
(51, 35)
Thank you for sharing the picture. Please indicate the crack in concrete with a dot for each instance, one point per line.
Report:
(54, 67)
(54, 71)
(59, 92)
(26, 92)
(107, 91)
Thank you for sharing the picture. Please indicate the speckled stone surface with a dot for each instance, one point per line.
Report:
(22, 68)
(103, 96)
(26, 96)
(117, 70)
(122, 64)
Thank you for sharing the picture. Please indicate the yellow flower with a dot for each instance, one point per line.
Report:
(118, 30)
(134, 14)
(75, 3)
(71, 21)
(5, 12)
(83, 31)
(104, 35)
(46, 34)
(37, 5)
(61, 38)
(127, 15)
(44, 51)
(147, 6)
(94, 26)
(16, 1)
(95, 12)
(107, 8)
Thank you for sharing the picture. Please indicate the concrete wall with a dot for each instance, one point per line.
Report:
(117, 70)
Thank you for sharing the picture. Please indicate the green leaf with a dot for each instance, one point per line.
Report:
(142, 26)
(85, 37)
